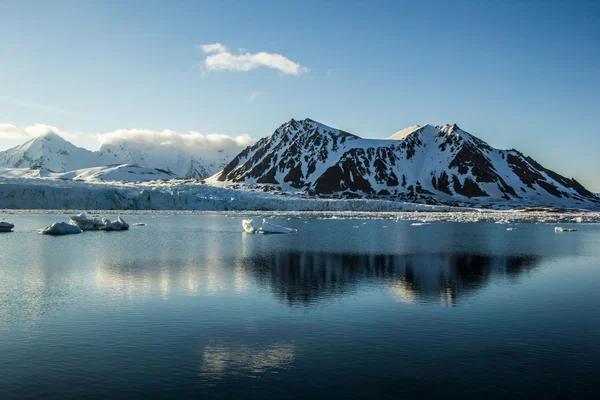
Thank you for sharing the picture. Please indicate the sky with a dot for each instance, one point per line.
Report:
(517, 74)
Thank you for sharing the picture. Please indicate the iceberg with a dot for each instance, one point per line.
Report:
(6, 226)
(60, 228)
(248, 226)
(118, 225)
(266, 227)
(561, 229)
(85, 223)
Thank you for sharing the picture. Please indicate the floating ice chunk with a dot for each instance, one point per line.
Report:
(248, 226)
(60, 228)
(420, 224)
(118, 225)
(139, 224)
(85, 223)
(6, 226)
(268, 227)
(510, 229)
(124, 225)
(561, 229)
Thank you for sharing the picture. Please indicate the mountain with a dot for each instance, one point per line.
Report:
(52, 153)
(433, 164)
(168, 157)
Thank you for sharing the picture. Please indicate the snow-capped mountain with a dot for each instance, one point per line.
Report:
(52, 153)
(420, 163)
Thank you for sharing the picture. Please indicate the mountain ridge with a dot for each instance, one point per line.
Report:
(432, 163)
(56, 154)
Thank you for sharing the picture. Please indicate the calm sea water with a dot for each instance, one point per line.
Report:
(189, 306)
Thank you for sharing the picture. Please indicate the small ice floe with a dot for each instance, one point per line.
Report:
(266, 227)
(60, 228)
(85, 223)
(118, 225)
(510, 229)
(248, 226)
(420, 224)
(6, 226)
(561, 229)
(139, 224)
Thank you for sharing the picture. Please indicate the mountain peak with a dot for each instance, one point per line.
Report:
(431, 163)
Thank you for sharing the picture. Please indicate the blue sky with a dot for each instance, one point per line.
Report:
(522, 75)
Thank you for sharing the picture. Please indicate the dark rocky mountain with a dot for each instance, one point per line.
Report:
(434, 164)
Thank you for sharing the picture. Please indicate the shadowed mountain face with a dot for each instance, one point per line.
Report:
(437, 164)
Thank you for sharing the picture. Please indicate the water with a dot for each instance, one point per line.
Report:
(189, 306)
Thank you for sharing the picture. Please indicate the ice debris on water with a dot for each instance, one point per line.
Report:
(420, 224)
(266, 227)
(94, 224)
(60, 228)
(85, 223)
(561, 229)
(118, 225)
(248, 226)
(6, 226)
(139, 224)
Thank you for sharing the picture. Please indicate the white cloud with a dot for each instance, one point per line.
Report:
(193, 142)
(212, 48)
(188, 143)
(254, 95)
(222, 60)
(8, 131)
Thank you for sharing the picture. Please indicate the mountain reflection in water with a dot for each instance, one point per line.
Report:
(306, 278)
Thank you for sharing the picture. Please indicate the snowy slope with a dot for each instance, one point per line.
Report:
(109, 173)
(52, 152)
(436, 164)
(192, 164)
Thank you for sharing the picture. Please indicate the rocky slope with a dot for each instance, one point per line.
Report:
(433, 164)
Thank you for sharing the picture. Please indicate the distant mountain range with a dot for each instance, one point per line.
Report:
(420, 164)
(50, 153)
(432, 164)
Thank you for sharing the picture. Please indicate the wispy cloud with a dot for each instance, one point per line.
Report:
(9, 131)
(220, 59)
(12, 101)
(212, 48)
(254, 95)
